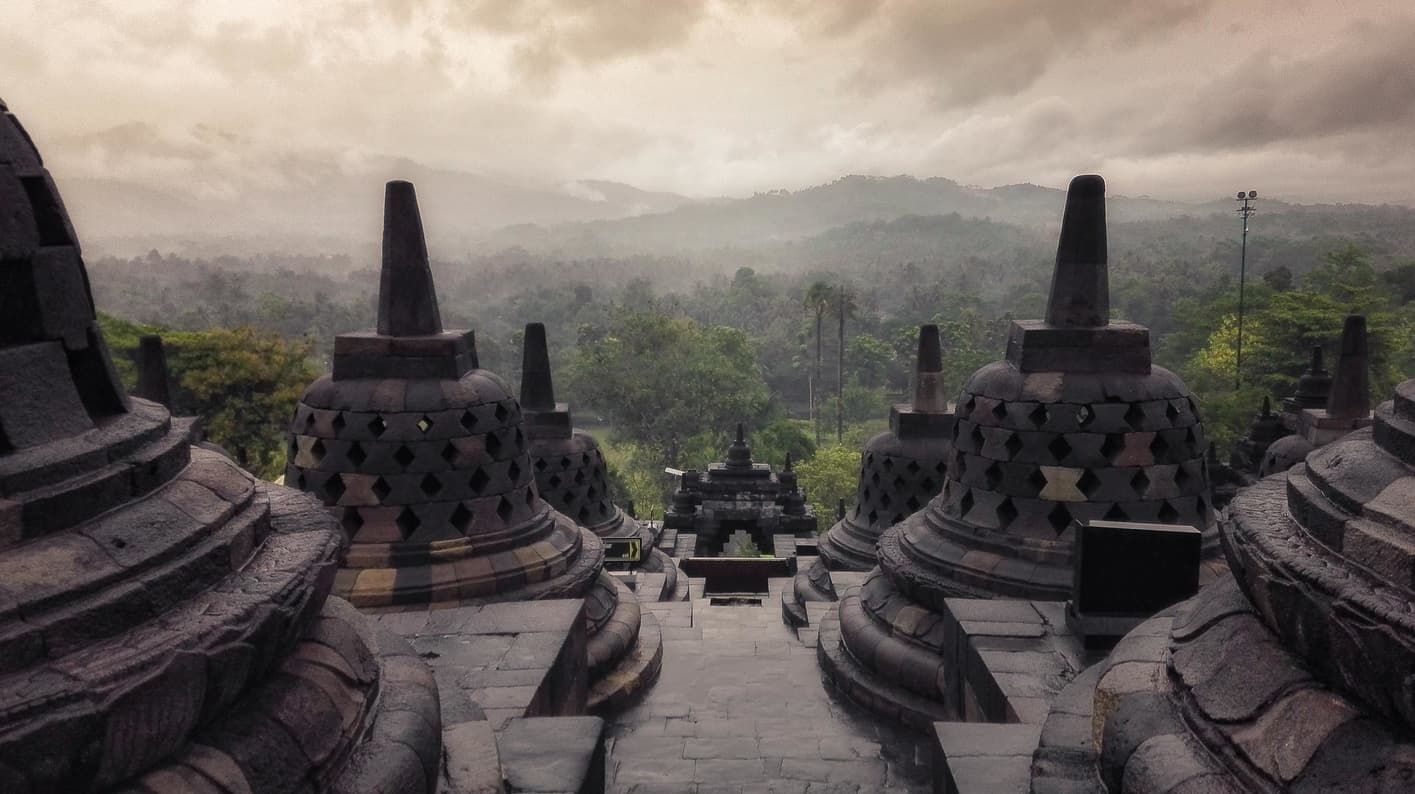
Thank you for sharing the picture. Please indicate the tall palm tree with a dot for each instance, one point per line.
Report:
(819, 298)
(845, 305)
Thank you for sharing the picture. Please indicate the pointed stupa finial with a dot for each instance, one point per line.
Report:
(787, 466)
(739, 455)
(407, 301)
(154, 379)
(1350, 396)
(840, 510)
(1317, 367)
(1080, 291)
(1267, 407)
(537, 389)
(928, 372)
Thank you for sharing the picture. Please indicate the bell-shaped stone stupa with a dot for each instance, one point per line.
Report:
(901, 469)
(424, 458)
(570, 470)
(1291, 675)
(165, 622)
(1075, 425)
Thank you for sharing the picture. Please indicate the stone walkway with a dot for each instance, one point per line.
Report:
(740, 707)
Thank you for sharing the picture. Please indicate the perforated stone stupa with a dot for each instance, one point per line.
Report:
(570, 470)
(1076, 424)
(901, 469)
(424, 458)
(1292, 675)
(165, 622)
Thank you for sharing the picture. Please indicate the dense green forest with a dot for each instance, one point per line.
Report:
(663, 354)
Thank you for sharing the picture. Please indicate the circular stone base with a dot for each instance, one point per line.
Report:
(1205, 698)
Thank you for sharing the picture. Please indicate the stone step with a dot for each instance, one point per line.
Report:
(471, 764)
(564, 755)
(685, 545)
(634, 673)
(883, 697)
(651, 587)
(975, 757)
(668, 540)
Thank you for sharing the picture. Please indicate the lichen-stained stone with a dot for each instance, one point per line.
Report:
(165, 622)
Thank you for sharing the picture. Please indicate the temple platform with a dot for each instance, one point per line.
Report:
(741, 707)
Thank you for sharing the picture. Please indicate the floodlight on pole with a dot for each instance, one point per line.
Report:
(1245, 212)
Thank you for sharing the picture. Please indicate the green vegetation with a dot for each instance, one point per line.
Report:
(829, 477)
(242, 383)
(671, 353)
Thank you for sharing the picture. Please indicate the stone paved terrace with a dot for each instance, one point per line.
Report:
(740, 707)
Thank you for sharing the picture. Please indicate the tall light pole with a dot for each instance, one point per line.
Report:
(1245, 211)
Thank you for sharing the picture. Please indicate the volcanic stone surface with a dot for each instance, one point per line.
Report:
(1075, 425)
(570, 470)
(1266, 428)
(425, 460)
(165, 622)
(1293, 674)
(901, 469)
(739, 495)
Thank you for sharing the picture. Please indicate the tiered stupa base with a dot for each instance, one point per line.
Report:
(180, 618)
(1292, 675)
(1205, 698)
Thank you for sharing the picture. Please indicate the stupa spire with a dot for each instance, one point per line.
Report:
(1080, 292)
(537, 388)
(154, 379)
(928, 372)
(739, 455)
(1350, 396)
(407, 301)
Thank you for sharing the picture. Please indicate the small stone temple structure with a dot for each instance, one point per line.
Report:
(424, 458)
(1291, 675)
(1346, 407)
(901, 469)
(165, 619)
(740, 495)
(570, 470)
(1076, 424)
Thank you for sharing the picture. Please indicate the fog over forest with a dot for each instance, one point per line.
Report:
(785, 191)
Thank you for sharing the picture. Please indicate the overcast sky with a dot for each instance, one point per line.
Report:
(1307, 100)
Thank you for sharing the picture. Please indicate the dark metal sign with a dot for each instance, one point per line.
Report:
(623, 549)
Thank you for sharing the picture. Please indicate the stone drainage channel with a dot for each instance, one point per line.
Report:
(741, 707)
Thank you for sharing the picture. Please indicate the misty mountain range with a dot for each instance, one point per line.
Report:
(333, 212)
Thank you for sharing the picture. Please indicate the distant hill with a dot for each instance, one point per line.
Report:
(324, 208)
(781, 216)
(337, 212)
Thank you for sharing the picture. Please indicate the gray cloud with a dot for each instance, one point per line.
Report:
(1274, 96)
(723, 96)
(964, 54)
